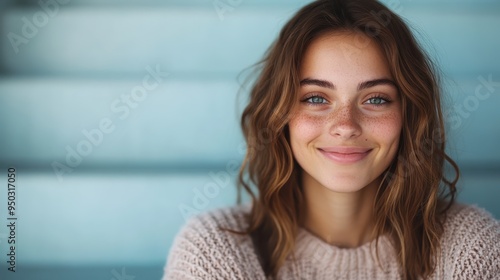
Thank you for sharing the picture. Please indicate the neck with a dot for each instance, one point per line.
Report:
(340, 219)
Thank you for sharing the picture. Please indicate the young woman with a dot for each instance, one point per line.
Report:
(346, 148)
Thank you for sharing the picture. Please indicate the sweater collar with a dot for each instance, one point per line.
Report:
(311, 247)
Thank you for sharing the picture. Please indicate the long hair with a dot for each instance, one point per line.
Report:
(414, 195)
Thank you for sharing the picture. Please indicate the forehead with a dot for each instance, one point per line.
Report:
(341, 54)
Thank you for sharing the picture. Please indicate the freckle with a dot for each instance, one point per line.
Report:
(308, 121)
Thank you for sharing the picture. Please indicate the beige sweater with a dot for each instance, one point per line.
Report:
(470, 250)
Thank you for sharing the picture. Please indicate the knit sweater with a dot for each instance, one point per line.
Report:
(470, 249)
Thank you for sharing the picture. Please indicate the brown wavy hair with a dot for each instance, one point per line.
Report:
(414, 194)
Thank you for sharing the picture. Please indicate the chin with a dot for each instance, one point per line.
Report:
(344, 187)
(345, 183)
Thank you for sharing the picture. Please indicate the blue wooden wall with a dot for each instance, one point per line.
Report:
(135, 104)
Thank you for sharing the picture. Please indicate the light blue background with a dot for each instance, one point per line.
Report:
(119, 208)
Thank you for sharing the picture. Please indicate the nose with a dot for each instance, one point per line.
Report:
(344, 123)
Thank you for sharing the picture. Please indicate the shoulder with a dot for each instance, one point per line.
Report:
(464, 222)
(471, 243)
(205, 249)
(460, 213)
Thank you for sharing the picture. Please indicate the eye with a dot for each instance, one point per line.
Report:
(315, 100)
(377, 101)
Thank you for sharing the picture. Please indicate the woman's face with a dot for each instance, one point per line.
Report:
(345, 130)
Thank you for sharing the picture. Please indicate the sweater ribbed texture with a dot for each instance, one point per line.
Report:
(470, 249)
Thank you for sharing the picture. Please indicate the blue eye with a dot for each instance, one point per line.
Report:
(377, 101)
(315, 100)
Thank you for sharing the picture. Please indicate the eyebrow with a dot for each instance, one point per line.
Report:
(361, 86)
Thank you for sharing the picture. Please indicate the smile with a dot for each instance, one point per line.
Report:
(345, 154)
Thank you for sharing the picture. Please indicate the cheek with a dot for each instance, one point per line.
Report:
(305, 127)
(387, 128)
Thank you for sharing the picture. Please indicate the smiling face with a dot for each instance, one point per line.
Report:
(345, 130)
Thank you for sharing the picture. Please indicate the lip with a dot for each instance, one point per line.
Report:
(345, 154)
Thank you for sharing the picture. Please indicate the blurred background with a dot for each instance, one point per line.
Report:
(121, 119)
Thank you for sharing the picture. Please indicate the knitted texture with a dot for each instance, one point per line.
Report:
(470, 249)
